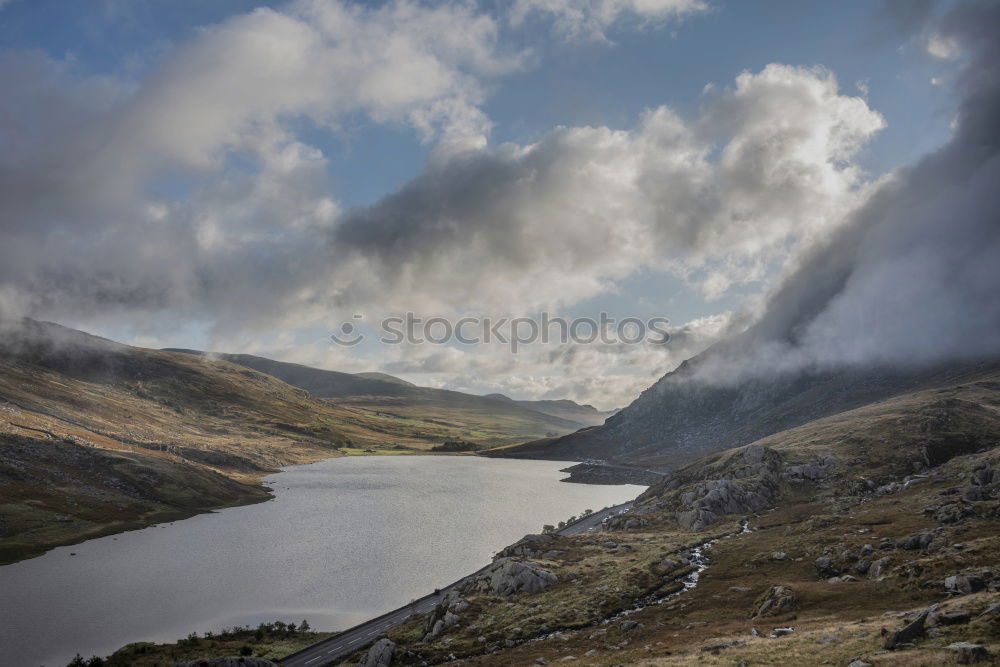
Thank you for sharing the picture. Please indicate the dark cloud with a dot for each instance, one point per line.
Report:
(914, 276)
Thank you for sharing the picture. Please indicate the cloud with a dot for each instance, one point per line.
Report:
(766, 164)
(591, 19)
(913, 277)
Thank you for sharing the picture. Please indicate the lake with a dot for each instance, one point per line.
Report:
(342, 541)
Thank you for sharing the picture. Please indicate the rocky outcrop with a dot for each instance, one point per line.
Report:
(508, 576)
(909, 632)
(777, 600)
(747, 481)
(379, 655)
(444, 615)
(529, 546)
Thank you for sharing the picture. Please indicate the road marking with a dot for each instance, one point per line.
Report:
(314, 659)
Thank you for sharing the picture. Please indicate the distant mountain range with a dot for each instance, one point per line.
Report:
(586, 414)
(484, 419)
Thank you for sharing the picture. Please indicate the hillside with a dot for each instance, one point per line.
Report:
(868, 536)
(98, 437)
(456, 416)
(682, 417)
(585, 415)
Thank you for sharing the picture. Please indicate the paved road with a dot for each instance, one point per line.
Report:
(349, 641)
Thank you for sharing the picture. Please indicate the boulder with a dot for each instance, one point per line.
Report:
(917, 541)
(961, 584)
(777, 600)
(714, 647)
(825, 568)
(909, 632)
(508, 576)
(968, 653)
(956, 617)
(379, 655)
(878, 568)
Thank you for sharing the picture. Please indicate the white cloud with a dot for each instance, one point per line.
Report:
(591, 19)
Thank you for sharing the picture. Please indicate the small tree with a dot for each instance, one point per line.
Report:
(304, 626)
(548, 528)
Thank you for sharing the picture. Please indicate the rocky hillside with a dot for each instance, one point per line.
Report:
(682, 417)
(865, 538)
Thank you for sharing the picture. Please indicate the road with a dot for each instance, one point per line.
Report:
(349, 641)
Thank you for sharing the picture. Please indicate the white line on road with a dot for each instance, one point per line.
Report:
(314, 659)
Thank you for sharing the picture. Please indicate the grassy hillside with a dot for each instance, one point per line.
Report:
(97, 437)
(451, 415)
(860, 518)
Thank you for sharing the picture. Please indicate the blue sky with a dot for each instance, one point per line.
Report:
(364, 150)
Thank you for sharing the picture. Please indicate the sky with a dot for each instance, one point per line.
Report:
(245, 177)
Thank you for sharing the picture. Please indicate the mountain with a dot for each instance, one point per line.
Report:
(681, 417)
(385, 377)
(98, 437)
(586, 415)
(458, 416)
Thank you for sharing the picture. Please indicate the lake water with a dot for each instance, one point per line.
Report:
(343, 540)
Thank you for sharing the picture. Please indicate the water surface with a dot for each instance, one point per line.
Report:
(343, 540)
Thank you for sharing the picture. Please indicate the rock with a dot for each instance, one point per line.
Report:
(229, 661)
(825, 568)
(629, 625)
(955, 617)
(777, 600)
(829, 639)
(863, 566)
(968, 653)
(541, 661)
(878, 567)
(508, 576)
(780, 632)
(591, 653)
(779, 555)
(740, 589)
(917, 541)
(379, 655)
(961, 584)
(718, 646)
(867, 550)
(909, 632)
(975, 493)
(552, 555)
(860, 663)
(669, 564)
(952, 513)
(527, 546)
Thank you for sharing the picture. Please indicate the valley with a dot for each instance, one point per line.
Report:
(98, 437)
